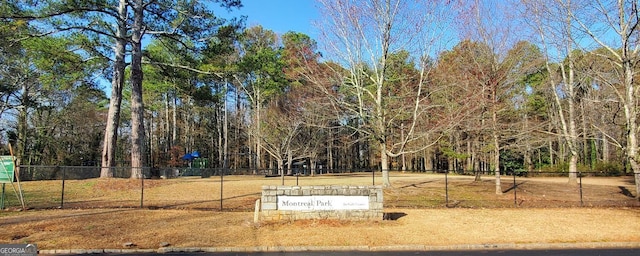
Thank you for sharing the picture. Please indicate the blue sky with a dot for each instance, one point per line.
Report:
(279, 16)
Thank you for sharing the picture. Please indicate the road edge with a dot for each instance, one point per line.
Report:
(461, 247)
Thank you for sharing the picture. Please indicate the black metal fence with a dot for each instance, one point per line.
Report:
(76, 187)
(519, 190)
(34, 173)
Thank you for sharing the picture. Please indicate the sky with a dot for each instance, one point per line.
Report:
(279, 16)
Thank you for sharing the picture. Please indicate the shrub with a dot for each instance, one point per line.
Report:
(609, 169)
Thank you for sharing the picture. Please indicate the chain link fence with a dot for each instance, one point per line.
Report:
(237, 189)
(516, 190)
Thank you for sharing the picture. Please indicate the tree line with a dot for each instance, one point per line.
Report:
(474, 87)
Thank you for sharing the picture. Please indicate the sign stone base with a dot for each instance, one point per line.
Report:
(320, 202)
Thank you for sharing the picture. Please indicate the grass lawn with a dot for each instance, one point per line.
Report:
(185, 212)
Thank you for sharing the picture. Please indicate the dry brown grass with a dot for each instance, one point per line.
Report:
(191, 228)
(185, 213)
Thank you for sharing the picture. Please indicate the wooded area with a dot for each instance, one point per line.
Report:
(473, 87)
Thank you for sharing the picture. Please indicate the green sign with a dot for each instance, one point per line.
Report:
(6, 171)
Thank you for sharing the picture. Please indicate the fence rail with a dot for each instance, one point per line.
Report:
(237, 190)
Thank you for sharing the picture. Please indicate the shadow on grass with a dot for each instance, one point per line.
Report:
(625, 192)
(513, 187)
(415, 185)
(393, 215)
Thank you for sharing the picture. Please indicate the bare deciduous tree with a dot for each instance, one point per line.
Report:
(495, 64)
(362, 36)
(554, 25)
(614, 26)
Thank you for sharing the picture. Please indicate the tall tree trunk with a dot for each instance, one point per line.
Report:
(605, 148)
(384, 165)
(496, 156)
(225, 129)
(220, 120)
(289, 161)
(567, 124)
(470, 157)
(631, 114)
(280, 164)
(527, 153)
(380, 122)
(257, 132)
(174, 117)
(239, 114)
(117, 83)
(585, 140)
(628, 60)
(138, 161)
(572, 138)
(550, 145)
(496, 137)
(167, 124)
(330, 152)
(22, 127)
(428, 159)
(478, 166)
(149, 134)
(404, 159)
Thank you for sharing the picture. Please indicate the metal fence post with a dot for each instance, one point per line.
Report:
(142, 188)
(64, 177)
(515, 193)
(373, 176)
(580, 180)
(446, 187)
(2, 197)
(221, 186)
